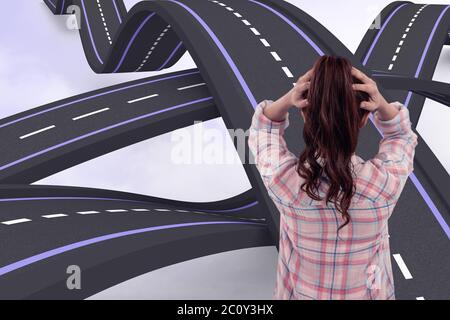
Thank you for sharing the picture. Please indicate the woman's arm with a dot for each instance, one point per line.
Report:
(278, 110)
(267, 144)
(395, 157)
(274, 161)
(394, 161)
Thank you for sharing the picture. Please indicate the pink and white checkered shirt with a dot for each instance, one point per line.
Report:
(313, 262)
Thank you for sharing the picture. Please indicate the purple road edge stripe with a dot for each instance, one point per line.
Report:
(232, 210)
(96, 96)
(138, 30)
(369, 53)
(431, 204)
(62, 6)
(33, 155)
(52, 4)
(437, 214)
(117, 11)
(224, 52)
(68, 198)
(293, 26)
(427, 47)
(90, 33)
(51, 253)
(170, 56)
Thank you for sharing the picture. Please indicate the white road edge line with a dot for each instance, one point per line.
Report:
(420, 298)
(402, 265)
(36, 132)
(90, 114)
(17, 221)
(143, 98)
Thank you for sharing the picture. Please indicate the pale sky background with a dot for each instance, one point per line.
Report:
(42, 61)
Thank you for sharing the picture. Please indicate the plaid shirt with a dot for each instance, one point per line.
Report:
(313, 262)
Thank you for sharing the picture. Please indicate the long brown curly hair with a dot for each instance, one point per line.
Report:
(332, 123)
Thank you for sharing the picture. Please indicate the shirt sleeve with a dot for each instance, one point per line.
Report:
(274, 161)
(395, 158)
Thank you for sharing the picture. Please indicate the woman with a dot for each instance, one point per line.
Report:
(334, 206)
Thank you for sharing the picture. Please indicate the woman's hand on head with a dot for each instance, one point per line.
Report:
(296, 93)
(369, 86)
(278, 110)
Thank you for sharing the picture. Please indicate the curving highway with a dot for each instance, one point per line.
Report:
(246, 51)
(111, 236)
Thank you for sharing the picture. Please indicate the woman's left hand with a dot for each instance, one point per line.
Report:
(277, 111)
(296, 94)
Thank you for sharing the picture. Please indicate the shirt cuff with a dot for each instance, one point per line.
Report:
(395, 124)
(261, 122)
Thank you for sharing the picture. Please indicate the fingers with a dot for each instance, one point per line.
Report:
(363, 87)
(367, 105)
(302, 104)
(361, 76)
(302, 87)
(306, 77)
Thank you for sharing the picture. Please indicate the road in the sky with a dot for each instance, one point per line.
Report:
(246, 51)
(111, 236)
(409, 45)
(51, 138)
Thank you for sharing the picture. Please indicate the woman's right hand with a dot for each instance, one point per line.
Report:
(386, 111)
(370, 87)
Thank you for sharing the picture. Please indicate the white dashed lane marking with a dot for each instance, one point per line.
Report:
(265, 42)
(90, 114)
(37, 132)
(193, 86)
(276, 56)
(173, 210)
(17, 221)
(397, 50)
(143, 98)
(288, 72)
(257, 33)
(152, 49)
(420, 298)
(87, 212)
(54, 216)
(402, 265)
(105, 26)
